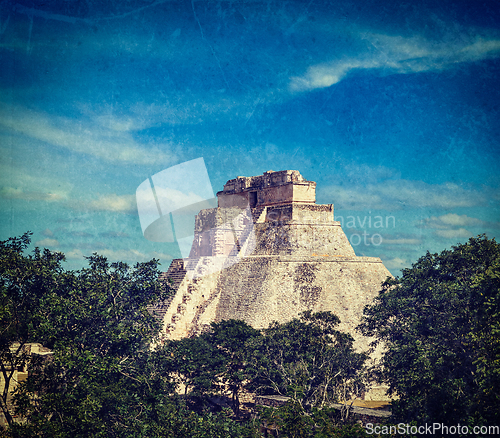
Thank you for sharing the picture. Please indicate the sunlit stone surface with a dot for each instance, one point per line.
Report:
(267, 253)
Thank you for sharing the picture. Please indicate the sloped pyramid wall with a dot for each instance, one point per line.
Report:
(299, 259)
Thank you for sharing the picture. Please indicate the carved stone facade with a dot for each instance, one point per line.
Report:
(267, 253)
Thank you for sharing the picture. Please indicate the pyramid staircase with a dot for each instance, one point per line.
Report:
(173, 278)
(259, 214)
(178, 270)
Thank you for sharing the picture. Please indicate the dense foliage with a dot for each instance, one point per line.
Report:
(307, 360)
(104, 379)
(291, 422)
(440, 323)
(96, 323)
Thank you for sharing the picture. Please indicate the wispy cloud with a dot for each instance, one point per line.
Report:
(395, 263)
(401, 241)
(114, 235)
(451, 220)
(82, 137)
(144, 115)
(454, 234)
(397, 54)
(398, 194)
(15, 193)
(23, 184)
(455, 226)
(112, 202)
(48, 242)
(126, 255)
(47, 232)
(20, 183)
(130, 256)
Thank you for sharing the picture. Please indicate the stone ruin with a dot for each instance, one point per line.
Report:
(267, 253)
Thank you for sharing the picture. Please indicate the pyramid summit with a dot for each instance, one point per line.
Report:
(266, 253)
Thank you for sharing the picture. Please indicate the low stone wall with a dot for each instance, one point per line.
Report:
(363, 415)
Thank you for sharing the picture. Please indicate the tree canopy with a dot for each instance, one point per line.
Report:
(440, 323)
(97, 324)
(104, 379)
(309, 360)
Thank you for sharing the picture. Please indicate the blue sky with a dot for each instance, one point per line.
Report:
(391, 107)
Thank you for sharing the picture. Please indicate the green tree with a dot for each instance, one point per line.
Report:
(232, 340)
(195, 363)
(25, 286)
(103, 379)
(213, 362)
(308, 360)
(440, 323)
(290, 421)
(97, 324)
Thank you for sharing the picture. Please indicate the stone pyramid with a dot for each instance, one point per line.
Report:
(267, 253)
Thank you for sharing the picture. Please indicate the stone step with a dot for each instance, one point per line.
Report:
(176, 274)
(257, 213)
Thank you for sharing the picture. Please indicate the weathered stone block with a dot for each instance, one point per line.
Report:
(300, 260)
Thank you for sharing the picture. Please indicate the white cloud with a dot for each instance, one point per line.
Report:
(75, 254)
(143, 115)
(82, 137)
(171, 199)
(130, 256)
(19, 183)
(452, 226)
(29, 185)
(402, 241)
(398, 194)
(121, 124)
(325, 75)
(160, 255)
(112, 202)
(452, 234)
(397, 54)
(50, 243)
(15, 193)
(451, 220)
(126, 255)
(396, 263)
(479, 50)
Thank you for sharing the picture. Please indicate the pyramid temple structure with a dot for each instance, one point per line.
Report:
(267, 253)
